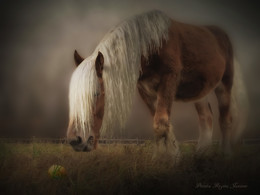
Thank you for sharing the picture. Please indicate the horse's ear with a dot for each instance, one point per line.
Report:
(78, 59)
(99, 64)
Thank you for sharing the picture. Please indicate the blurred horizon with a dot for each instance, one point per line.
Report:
(38, 39)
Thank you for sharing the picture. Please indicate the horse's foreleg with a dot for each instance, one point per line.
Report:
(149, 100)
(205, 123)
(162, 128)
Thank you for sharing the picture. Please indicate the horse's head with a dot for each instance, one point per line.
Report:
(86, 102)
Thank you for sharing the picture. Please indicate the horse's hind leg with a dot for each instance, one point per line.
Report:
(205, 124)
(223, 93)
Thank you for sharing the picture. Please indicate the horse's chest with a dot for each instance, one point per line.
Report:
(149, 85)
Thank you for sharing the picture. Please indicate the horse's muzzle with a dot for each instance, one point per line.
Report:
(80, 146)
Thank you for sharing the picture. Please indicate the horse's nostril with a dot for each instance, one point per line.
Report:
(78, 145)
(79, 139)
(75, 141)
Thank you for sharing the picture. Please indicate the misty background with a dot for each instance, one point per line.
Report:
(38, 38)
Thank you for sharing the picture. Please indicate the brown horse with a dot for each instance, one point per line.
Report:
(167, 61)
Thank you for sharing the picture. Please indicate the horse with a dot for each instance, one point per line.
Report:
(166, 61)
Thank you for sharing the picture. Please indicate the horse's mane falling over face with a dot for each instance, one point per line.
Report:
(83, 87)
(122, 49)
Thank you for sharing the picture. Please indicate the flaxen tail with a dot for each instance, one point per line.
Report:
(239, 104)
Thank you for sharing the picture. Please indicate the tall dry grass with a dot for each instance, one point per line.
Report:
(125, 169)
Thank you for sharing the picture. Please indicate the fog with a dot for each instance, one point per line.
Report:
(37, 43)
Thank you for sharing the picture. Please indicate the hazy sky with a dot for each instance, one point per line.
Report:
(37, 43)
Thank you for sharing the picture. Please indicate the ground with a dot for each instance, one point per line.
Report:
(127, 169)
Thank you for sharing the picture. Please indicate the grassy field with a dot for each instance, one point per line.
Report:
(127, 169)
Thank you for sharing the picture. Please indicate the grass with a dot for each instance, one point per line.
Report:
(126, 169)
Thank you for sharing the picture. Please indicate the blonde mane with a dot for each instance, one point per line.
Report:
(122, 49)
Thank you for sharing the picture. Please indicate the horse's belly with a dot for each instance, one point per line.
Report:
(195, 87)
